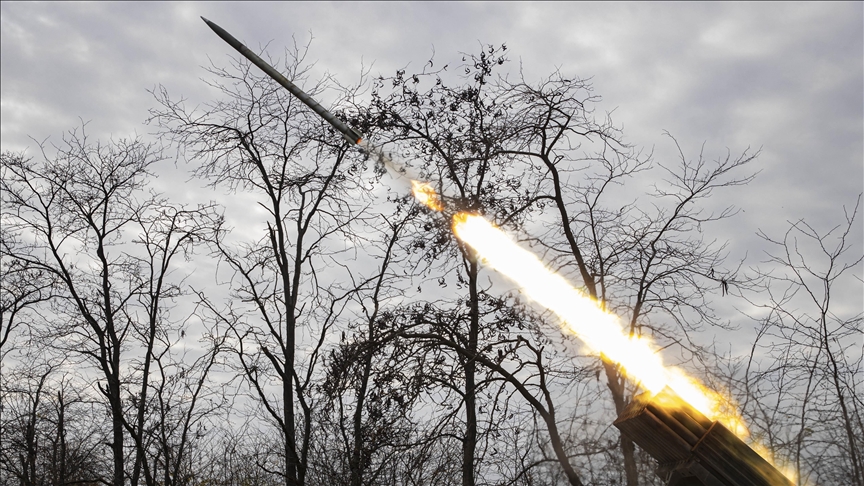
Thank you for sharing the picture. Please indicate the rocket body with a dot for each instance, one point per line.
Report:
(349, 133)
(399, 171)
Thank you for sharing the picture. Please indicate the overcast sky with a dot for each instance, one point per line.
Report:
(786, 77)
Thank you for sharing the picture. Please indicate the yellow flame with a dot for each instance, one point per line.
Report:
(785, 468)
(426, 194)
(601, 331)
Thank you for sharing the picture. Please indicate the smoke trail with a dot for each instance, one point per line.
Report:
(398, 170)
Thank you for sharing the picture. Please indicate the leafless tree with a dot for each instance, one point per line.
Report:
(26, 444)
(260, 140)
(370, 389)
(513, 148)
(802, 384)
(51, 430)
(456, 132)
(648, 266)
(77, 210)
(467, 139)
(22, 287)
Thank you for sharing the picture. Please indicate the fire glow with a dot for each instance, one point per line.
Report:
(601, 331)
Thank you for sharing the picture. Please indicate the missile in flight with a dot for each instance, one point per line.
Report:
(349, 133)
(423, 191)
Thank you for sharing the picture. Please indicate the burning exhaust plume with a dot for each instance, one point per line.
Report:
(601, 331)
(426, 194)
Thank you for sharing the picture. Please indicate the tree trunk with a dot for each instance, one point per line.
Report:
(291, 462)
(355, 464)
(469, 443)
(29, 462)
(117, 426)
(61, 440)
(142, 401)
(628, 450)
(290, 287)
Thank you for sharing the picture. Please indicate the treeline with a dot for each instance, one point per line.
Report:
(337, 333)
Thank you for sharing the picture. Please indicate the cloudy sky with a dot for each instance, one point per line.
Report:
(784, 77)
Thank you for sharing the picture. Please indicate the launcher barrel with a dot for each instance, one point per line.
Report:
(690, 449)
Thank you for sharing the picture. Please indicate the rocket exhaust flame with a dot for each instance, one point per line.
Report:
(426, 194)
(601, 331)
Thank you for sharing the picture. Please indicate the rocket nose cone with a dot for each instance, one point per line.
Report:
(204, 19)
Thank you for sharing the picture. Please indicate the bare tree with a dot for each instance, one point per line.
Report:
(468, 138)
(50, 431)
(22, 287)
(168, 403)
(646, 266)
(262, 140)
(77, 209)
(183, 402)
(457, 132)
(370, 387)
(27, 443)
(802, 383)
(512, 148)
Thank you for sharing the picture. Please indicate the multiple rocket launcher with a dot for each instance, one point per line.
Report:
(690, 449)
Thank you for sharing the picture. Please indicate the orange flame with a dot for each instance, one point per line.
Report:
(426, 194)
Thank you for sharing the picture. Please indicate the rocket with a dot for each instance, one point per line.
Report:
(350, 134)
(423, 191)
